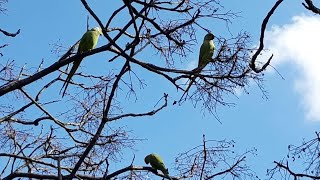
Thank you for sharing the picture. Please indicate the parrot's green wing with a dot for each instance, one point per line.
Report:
(157, 163)
(88, 42)
(73, 70)
(206, 51)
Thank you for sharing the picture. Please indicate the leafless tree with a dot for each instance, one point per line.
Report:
(39, 139)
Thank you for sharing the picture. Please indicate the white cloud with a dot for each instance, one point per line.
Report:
(298, 44)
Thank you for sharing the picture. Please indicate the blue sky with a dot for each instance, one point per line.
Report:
(290, 113)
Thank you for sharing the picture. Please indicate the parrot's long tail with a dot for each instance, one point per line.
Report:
(71, 73)
(192, 80)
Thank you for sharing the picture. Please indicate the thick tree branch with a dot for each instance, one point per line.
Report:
(18, 84)
(295, 175)
(90, 110)
(311, 7)
(261, 45)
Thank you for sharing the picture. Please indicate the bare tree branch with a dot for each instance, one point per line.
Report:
(18, 84)
(10, 34)
(309, 5)
(295, 175)
(203, 161)
(46, 137)
(104, 120)
(261, 44)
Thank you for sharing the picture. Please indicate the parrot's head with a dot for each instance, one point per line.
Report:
(209, 36)
(98, 29)
(147, 159)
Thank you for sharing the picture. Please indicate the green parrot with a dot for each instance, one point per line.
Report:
(157, 163)
(205, 56)
(88, 42)
(206, 51)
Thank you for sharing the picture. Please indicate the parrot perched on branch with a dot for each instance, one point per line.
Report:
(206, 51)
(205, 56)
(157, 163)
(88, 42)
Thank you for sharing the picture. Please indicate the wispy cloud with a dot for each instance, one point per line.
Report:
(298, 44)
